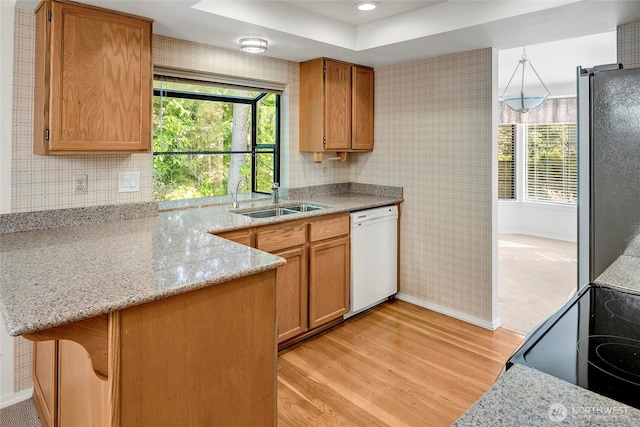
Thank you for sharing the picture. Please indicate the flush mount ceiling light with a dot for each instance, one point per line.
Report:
(367, 5)
(253, 45)
(524, 101)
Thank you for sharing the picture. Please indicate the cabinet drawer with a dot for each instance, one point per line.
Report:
(328, 228)
(238, 236)
(282, 237)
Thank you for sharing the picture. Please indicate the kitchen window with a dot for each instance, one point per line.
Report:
(213, 135)
(552, 163)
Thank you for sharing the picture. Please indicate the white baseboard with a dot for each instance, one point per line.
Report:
(14, 398)
(492, 326)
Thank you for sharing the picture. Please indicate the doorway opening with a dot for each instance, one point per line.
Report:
(537, 169)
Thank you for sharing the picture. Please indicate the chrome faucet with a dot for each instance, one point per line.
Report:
(275, 196)
(234, 196)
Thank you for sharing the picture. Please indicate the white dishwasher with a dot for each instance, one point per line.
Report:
(374, 257)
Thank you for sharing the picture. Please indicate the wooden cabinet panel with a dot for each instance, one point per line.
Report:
(244, 237)
(328, 228)
(93, 80)
(202, 358)
(328, 280)
(281, 236)
(292, 294)
(362, 110)
(337, 106)
(83, 398)
(45, 360)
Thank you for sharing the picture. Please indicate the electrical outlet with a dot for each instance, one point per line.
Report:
(80, 183)
(324, 170)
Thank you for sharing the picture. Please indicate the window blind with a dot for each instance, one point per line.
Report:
(552, 163)
(506, 162)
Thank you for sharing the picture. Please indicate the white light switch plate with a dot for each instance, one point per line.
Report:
(128, 181)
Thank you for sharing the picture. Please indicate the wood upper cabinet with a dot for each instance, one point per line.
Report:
(362, 108)
(92, 80)
(336, 107)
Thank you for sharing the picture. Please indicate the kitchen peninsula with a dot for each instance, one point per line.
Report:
(178, 325)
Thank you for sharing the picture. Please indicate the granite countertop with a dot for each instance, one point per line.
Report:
(54, 276)
(623, 273)
(523, 396)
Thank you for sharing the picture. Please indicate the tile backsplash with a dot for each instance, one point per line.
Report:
(628, 43)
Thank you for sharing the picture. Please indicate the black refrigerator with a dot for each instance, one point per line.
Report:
(608, 167)
(593, 341)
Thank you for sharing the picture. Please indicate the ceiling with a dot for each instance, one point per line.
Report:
(398, 31)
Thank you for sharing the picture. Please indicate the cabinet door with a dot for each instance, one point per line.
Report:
(44, 380)
(100, 87)
(83, 398)
(328, 280)
(292, 294)
(362, 115)
(337, 107)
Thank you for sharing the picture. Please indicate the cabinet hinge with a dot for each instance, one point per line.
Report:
(324, 140)
(324, 69)
(49, 15)
(46, 135)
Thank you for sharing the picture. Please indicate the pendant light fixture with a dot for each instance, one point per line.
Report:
(524, 102)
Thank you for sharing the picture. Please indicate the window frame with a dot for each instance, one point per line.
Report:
(514, 162)
(256, 148)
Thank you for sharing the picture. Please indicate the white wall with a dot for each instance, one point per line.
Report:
(552, 221)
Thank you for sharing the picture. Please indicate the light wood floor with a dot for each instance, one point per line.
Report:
(396, 365)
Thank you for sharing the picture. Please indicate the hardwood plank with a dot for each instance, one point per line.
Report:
(396, 364)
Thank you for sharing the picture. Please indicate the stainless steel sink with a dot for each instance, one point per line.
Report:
(305, 207)
(268, 213)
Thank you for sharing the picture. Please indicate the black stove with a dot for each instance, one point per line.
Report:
(593, 341)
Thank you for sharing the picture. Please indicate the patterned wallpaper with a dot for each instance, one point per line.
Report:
(434, 124)
(629, 45)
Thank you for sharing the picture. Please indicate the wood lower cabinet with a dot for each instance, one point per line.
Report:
(45, 392)
(201, 358)
(83, 398)
(328, 280)
(329, 269)
(244, 236)
(313, 287)
(292, 294)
